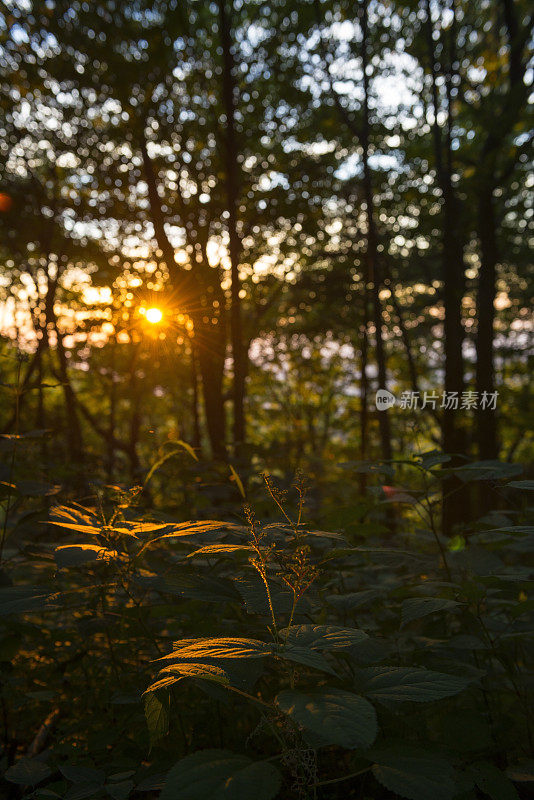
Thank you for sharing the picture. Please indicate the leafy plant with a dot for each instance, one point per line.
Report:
(274, 659)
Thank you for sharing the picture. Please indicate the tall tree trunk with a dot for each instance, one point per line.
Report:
(364, 391)
(135, 418)
(196, 291)
(488, 178)
(485, 371)
(40, 417)
(112, 420)
(373, 263)
(74, 431)
(452, 266)
(210, 359)
(195, 410)
(239, 354)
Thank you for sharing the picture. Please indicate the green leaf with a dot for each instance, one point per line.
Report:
(252, 590)
(433, 458)
(157, 717)
(303, 655)
(120, 790)
(416, 777)
(71, 555)
(81, 774)
(487, 471)
(371, 651)
(493, 782)
(221, 775)
(417, 607)
(525, 485)
(36, 489)
(81, 791)
(389, 684)
(21, 599)
(338, 717)
(352, 600)
(27, 771)
(152, 783)
(322, 637)
(201, 587)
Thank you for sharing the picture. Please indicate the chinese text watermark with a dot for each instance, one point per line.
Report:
(448, 401)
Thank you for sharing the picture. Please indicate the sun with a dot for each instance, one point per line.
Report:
(154, 315)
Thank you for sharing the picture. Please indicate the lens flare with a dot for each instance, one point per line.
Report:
(5, 202)
(154, 315)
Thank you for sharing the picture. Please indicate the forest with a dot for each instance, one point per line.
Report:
(266, 440)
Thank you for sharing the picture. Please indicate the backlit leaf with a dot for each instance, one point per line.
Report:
(159, 463)
(176, 672)
(223, 647)
(322, 637)
(219, 550)
(238, 481)
(157, 716)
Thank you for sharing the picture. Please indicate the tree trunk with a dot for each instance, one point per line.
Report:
(112, 420)
(485, 371)
(195, 410)
(364, 390)
(488, 179)
(232, 192)
(74, 431)
(373, 263)
(135, 419)
(210, 359)
(196, 291)
(455, 508)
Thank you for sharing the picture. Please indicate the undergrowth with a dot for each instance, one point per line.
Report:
(259, 659)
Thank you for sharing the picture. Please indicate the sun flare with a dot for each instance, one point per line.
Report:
(154, 315)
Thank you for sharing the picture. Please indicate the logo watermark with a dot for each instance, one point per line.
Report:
(449, 401)
(384, 399)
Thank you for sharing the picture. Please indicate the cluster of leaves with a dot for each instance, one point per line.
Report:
(271, 659)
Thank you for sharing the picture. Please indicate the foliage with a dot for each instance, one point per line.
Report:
(231, 659)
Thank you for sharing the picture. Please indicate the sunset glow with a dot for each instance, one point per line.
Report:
(154, 315)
